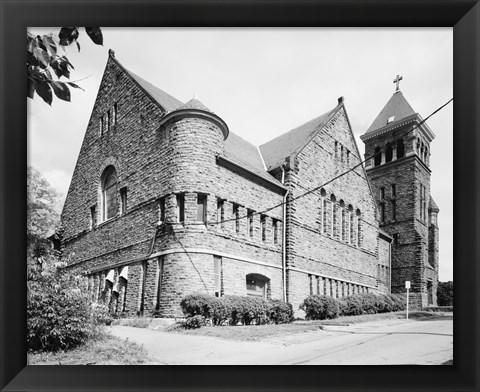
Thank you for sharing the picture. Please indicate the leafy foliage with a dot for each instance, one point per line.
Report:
(58, 311)
(42, 205)
(43, 58)
(445, 293)
(234, 310)
(321, 307)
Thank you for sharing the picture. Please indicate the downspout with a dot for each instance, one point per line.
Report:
(284, 238)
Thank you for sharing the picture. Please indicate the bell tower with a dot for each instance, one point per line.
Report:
(398, 144)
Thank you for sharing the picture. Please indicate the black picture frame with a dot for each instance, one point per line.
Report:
(463, 16)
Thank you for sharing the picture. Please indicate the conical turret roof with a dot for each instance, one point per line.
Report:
(397, 108)
(194, 103)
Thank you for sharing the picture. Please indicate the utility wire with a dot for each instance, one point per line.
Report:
(212, 223)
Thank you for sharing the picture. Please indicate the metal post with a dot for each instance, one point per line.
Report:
(407, 286)
(407, 303)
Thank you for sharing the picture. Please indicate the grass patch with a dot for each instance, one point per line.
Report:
(137, 322)
(105, 350)
(260, 332)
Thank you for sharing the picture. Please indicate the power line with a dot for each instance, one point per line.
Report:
(253, 213)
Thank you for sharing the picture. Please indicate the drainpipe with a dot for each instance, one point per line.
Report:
(284, 239)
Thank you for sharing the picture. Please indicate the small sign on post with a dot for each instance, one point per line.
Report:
(407, 286)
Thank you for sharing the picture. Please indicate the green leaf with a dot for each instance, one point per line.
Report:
(95, 34)
(43, 90)
(61, 90)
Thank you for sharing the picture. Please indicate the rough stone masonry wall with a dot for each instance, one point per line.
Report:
(410, 254)
(309, 247)
(156, 162)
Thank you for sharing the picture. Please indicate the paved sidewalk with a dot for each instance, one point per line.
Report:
(376, 343)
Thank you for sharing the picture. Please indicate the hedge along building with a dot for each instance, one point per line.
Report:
(165, 201)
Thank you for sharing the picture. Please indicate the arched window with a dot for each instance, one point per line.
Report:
(257, 285)
(323, 211)
(388, 153)
(351, 229)
(426, 154)
(400, 149)
(341, 215)
(333, 199)
(359, 228)
(109, 193)
(377, 157)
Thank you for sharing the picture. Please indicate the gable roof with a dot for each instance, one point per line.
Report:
(396, 106)
(165, 100)
(246, 154)
(277, 150)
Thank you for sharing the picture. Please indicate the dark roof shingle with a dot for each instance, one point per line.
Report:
(277, 150)
(397, 106)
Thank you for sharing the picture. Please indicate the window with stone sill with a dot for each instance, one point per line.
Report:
(263, 222)
(123, 200)
(161, 210)
(236, 214)
(202, 208)
(180, 208)
(109, 194)
(250, 229)
(93, 216)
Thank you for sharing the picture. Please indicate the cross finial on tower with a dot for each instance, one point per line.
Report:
(397, 81)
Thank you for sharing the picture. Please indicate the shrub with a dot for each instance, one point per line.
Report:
(321, 307)
(59, 315)
(280, 312)
(100, 314)
(399, 302)
(193, 322)
(234, 310)
(196, 304)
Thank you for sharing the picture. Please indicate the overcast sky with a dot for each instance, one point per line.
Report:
(262, 83)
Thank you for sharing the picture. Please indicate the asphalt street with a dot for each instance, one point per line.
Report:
(387, 342)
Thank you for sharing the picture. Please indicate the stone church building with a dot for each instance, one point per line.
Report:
(165, 200)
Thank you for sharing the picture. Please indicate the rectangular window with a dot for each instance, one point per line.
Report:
(263, 220)
(93, 216)
(348, 158)
(394, 190)
(102, 126)
(394, 209)
(395, 239)
(219, 211)
(108, 120)
(310, 278)
(123, 199)
(115, 113)
(161, 210)
(201, 208)
(217, 274)
(180, 209)
(275, 225)
(382, 212)
(250, 223)
(382, 193)
(336, 150)
(236, 214)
